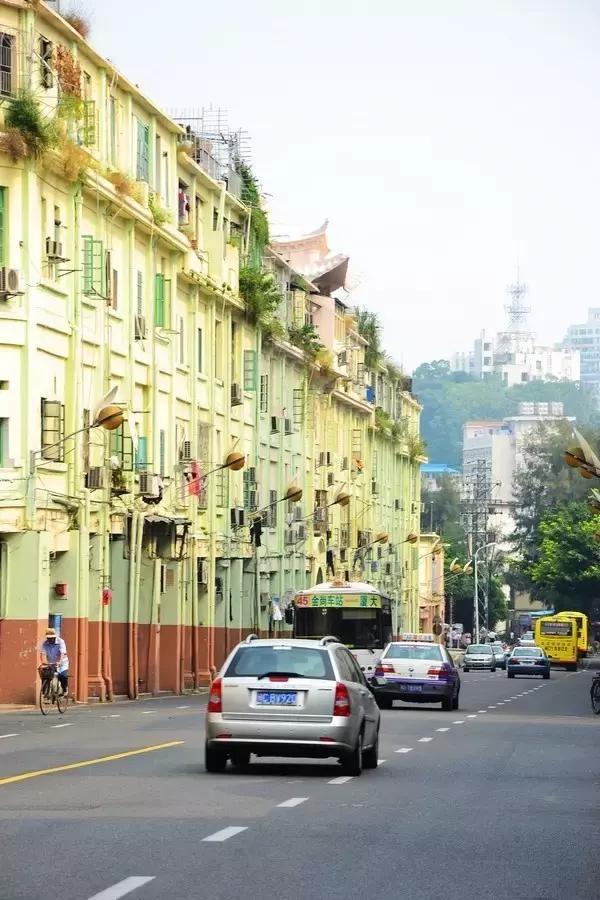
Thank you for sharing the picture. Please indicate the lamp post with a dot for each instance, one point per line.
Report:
(476, 587)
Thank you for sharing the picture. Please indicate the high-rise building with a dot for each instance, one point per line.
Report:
(584, 339)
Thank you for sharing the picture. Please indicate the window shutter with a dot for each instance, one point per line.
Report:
(249, 370)
(161, 452)
(141, 454)
(88, 264)
(140, 294)
(159, 300)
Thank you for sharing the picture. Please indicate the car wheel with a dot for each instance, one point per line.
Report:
(384, 702)
(510, 674)
(215, 759)
(456, 701)
(240, 759)
(493, 670)
(370, 757)
(546, 676)
(447, 704)
(465, 669)
(352, 762)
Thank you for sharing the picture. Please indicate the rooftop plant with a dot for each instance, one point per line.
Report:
(262, 298)
(259, 223)
(160, 215)
(306, 338)
(78, 20)
(368, 326)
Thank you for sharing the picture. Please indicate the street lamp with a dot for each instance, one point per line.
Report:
(475, 589)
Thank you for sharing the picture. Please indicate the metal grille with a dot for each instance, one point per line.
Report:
(7, 43)
(53, 430)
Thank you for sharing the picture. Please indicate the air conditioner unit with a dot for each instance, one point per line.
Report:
(202, 571)
(54, 250)
(10, 282)
(185, 451)
(330, 479)
(95, 478)
(236, 394)
(140, 328)
(301, 532)
(274, 425)
(149, 485)
(287, 426)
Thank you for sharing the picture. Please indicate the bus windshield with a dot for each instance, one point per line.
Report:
(366, 628)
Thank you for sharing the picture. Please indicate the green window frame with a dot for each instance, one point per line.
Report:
(249, 370)
(94, 267)
(141, 454)
(162, 297)
(89, 127)
(162, 452)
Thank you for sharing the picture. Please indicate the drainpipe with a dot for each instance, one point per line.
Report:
(106, 663)
(194, 616)
(131, 684)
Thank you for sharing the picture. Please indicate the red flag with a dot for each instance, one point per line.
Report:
(194, 479)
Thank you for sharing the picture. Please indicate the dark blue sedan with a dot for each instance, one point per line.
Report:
(528, 661)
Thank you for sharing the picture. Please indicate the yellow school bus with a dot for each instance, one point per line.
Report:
(582, 629)
(558, 638)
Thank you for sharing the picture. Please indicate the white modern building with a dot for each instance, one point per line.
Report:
(516, 358)
(585, 340)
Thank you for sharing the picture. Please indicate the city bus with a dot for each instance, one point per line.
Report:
(558, 638)
(582, 629)
(354, 612)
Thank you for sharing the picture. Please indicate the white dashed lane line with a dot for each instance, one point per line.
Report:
(459, 722)
(183, 707)
(442, 729)
(224, 834)
(472, 716)
(293, 801)
(482, 710)
(403, 750)
(342, 779)
(425, 740)
(123, 887)
(148, 712)
(8, 735)
(64, 725)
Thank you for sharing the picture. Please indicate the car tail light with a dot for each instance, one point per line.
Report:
(341, 704)
(215, 704)
(384, 668)
(436, 672)
(278, 678)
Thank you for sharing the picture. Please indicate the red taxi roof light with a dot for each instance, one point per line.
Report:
(341, 704)
(215, 704)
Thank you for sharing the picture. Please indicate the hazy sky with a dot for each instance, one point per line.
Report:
(443, 139)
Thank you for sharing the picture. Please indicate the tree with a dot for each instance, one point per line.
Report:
(369, 327)
(567, 564)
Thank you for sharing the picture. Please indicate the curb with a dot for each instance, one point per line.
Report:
(120, 700)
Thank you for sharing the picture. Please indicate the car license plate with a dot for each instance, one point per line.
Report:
(413, 688)
(277, 698)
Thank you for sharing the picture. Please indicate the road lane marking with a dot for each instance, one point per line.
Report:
(515, 698)
(293, 801)
(64, 725)
(342, 779)
(24, 776)
(123, 887)
(425, 740)
(380, 762)
(472, 716)
(482, 710)
(8, 735)
(225, 833)
(491, 707)
(403, 750)
(183, 707)
(459, 722)
(442, 729)
(148, 712)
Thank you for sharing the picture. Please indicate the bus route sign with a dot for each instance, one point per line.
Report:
(338, 601)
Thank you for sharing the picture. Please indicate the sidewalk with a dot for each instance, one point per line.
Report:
(119, 700)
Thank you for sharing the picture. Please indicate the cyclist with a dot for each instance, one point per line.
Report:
(53, 652)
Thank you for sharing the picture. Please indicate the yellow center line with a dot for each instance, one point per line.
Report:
(24, 776)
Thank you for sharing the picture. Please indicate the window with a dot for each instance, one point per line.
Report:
(140, 294)
(157, 166)
(222, 488)
(93, 267)
(53, 430)
(46, 74)
(141, 453)
(272, 510)
(181, 330)
(113, 131)
(199, 349)
(218, 349)
(114, 297)
(249, 370)
(162, 295)
(142, 154)
(121, 447)
(3, 443)
(252, 661)
(89, 130)
(3, 211)
(234, 350)
(7, 43)
(264, 393)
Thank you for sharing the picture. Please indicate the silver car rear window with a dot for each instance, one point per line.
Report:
(305, 662)
(408, 651)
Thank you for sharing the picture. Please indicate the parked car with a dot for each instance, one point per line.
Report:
(528, 661)
(417, 672)
(293, 698)
(479, 656)
(500, 654)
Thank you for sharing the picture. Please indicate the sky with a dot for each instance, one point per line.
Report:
(449, 143)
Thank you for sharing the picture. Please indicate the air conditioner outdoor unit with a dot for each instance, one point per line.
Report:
(54, 249)
(185, 453)
(10, 282)
(274, 425)
(149, 484)
(236, 394)
(140, 328)
(287, 426)
(95, 478)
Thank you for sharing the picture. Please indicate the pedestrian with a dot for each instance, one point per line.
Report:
(53, 652)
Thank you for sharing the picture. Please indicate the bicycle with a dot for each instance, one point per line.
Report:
(51, 693)
(595, 694)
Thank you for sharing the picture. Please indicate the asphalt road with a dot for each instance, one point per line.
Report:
(498, 800)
